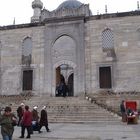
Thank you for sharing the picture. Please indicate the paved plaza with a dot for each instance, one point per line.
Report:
(86, 131)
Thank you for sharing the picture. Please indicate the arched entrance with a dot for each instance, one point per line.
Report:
(64, 81)
(67, 51)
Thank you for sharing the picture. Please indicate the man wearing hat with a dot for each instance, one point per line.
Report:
(44, 119)
(35, 119)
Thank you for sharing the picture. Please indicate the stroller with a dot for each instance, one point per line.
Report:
(35, 126)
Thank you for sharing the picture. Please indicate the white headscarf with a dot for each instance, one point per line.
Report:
(35, 107)
(22, 104)
(44, 107)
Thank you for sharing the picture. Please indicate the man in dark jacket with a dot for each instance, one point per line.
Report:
(44, 119)
(35, 120)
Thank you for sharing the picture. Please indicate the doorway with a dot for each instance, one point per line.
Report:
(105, 77)
(64, 76)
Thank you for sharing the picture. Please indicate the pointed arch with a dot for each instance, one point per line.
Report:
(64, 48)
(107, 39)
(108, 43)
(64, 73)
(70, 63)
(61, 35)
(26, 51)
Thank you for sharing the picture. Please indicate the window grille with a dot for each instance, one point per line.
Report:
(107, 40)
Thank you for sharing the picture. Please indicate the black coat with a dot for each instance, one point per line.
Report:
(20, 111)
(122, 108)
(43, 118)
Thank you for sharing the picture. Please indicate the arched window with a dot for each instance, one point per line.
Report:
(107, 39)
(108, 42)
(27, 51)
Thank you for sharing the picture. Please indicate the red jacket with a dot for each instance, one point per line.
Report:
(27, 118)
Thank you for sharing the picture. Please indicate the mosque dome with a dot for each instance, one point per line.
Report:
(69, 4)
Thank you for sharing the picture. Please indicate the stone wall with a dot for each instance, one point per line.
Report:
(125, 69)
(85, 56)
(11, 58)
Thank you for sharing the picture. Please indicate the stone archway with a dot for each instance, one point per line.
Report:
(71, 68)
(63, 76)
(65, 50)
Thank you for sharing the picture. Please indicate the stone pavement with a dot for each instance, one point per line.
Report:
(86, 131)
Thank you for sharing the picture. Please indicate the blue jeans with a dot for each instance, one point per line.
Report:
(7, 137)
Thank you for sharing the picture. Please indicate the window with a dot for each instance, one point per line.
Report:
(27, 51)
(108, 43)
(107, 39)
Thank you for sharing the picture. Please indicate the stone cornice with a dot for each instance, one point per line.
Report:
(64, 19)
(69, 18)
(113, 15)
(28, 25)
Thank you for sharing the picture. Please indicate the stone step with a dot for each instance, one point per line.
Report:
(84, 121)
(82, 118)
(76, 116)
(70, 109)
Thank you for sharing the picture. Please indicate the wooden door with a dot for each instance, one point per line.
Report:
(27, 80)
(105, 77)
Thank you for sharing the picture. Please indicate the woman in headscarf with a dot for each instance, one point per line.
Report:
(7, 122)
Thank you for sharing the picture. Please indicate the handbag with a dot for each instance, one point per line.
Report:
(14, 122)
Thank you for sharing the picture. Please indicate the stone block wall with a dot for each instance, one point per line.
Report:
(11, 55)
(125, 69)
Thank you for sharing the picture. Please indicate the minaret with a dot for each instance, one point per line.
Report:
(138, 7)
(37, 6)
(14, 21)
(106, 9)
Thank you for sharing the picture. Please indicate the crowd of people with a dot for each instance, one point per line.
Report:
(27, 119)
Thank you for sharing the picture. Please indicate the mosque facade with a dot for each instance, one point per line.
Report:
(91, 53)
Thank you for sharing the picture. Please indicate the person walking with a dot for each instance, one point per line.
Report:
(7, 122)
(44, 119)
(26, 123)
(20, 111)
(35, 120)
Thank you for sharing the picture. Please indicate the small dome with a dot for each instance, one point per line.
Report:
(37, 4)
(69, 4)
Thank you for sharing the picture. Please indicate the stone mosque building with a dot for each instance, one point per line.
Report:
(89, 52)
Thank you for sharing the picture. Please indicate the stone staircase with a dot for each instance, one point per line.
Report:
(112, 100)
(71, 110)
